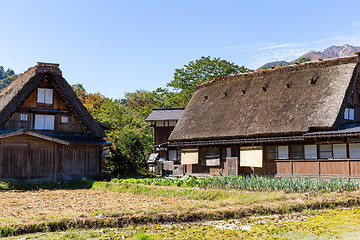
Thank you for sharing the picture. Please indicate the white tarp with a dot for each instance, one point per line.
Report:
(189, 156)
(152, 158)
(251, 156)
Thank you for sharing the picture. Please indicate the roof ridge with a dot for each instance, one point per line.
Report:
(296, 66)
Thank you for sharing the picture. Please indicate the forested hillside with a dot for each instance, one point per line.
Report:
(6, 77)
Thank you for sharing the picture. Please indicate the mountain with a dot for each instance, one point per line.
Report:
(276, 63)
(330, 52)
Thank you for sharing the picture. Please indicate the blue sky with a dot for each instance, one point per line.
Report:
(114, 47)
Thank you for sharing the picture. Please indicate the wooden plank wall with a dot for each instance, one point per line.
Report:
(29, 158)
(161, 134)
(299, 167)
(315, 167)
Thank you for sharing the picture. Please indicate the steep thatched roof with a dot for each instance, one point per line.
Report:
(17, 92)
(280, 101)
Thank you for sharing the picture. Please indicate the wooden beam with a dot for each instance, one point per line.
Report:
(28, 163)
(1, 159)
(55, 160)
(34, 134)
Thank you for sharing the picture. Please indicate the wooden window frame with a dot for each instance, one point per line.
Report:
(347, 112)
(44, 102)
(24, 117)
(319, 151)
(44, 115)
(292, 153)
(64, 117)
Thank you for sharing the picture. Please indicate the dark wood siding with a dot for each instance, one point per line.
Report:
(161, 134)
(25, 157)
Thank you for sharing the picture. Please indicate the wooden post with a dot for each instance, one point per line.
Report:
(349, 162)
(28, 164)
(55, 160)
(1, 158)
(319, 167)
(86, 160)
(292, 167)
(61, 162)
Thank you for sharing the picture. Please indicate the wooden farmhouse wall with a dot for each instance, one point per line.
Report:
(31, 158)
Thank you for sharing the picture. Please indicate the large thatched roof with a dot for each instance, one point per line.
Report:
(280, 101)
(17, 92)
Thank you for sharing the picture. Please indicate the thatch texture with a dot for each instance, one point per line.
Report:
(18, 91)
(280, 101)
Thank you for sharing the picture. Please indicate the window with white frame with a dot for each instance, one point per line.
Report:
(45, 95)
(310, 151)
(23, 117)
(349, 114)
(228, 152)
(277, 152)
(64, 119)
(44, 122)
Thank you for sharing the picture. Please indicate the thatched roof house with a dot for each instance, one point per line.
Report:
(45, 131)
(286, 105)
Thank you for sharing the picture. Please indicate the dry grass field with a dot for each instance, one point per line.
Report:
(106, 205)
(46, 205)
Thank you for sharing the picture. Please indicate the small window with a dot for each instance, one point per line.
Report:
(283, 152)
(23, 117)
(172, 123)
(310, 151)
(64, 119)
(160, 123)
(228, 152)
(271, 152)
(45, 96)
(349, 114)
(325, 151)
(297, 152)
(44, 122)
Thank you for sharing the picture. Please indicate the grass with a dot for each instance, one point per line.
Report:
(324, 224)
(254, 183)
(224, 200)
(27, 185)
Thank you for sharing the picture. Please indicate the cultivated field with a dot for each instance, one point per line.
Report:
(144, 211)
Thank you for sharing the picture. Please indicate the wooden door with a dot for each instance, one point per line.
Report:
(14, 161)
(232, 164)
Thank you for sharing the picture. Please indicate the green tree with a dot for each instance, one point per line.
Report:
(303, 60)
(6, 77)
(131, 137)
(201, 70)
(130, 156)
